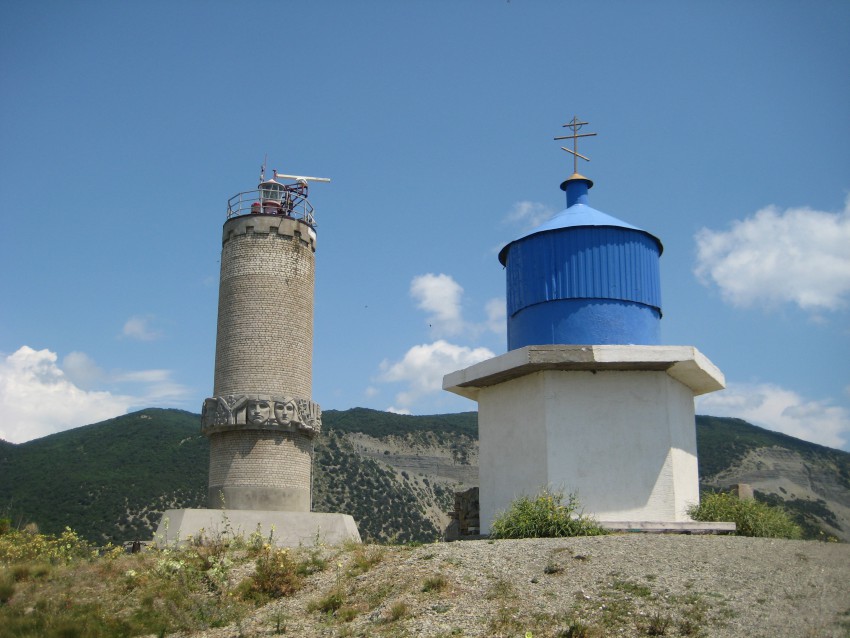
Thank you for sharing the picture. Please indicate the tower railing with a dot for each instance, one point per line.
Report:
(291, 204)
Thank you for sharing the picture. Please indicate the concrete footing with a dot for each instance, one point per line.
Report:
(682, 527)
(286, 529)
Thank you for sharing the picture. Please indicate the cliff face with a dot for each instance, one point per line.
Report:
(808, 485)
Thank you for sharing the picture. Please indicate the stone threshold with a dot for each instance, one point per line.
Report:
(663, 527)
(646, 527)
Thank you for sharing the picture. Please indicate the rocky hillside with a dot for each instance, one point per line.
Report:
(394, 474)
(629, 585)
(810, 480)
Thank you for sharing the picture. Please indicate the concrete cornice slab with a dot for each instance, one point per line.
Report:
(686, 364)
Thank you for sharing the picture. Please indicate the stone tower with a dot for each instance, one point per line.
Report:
(261, 420)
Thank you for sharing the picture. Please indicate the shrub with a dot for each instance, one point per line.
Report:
(751, 517)
(277, 575)
(362, 560)
(435, 583)
(7, 587)
(16, 547)
(544, 516)
(397, 612)
(328, 603)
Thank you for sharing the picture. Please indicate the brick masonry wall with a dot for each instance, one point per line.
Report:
(265, 313)
(256, 457)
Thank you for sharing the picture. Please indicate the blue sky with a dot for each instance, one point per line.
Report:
(722, 128)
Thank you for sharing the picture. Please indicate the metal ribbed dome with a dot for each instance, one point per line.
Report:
(583, 277)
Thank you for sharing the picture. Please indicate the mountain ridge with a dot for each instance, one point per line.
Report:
(111, 480)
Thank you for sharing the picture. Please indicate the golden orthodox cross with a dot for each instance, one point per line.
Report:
(575, 124)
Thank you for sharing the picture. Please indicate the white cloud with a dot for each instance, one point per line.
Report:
(776, 408)
(439, 296)
(528, 215)
(497, 314)
(144, 376)
(396, 410)
(140, 328)
(422, 369)
(81, 370)
(38, 398)
(797, 256)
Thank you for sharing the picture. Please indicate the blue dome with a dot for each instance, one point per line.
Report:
(578, 213)
(583, 278)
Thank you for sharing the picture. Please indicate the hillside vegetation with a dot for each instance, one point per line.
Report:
(395, 474)
(629, 585)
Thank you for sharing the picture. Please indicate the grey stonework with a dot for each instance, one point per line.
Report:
(260, 470)
(260, 412)
(260, 420)
(265, 308)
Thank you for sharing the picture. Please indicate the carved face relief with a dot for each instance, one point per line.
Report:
(258, 411)
(208, 412)
(285, 412)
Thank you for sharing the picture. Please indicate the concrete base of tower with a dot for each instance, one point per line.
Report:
(286, 529)
(255, 497)
(615, 424)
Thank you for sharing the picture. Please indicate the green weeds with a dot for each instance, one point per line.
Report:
(435, 583)
(753, 518)
(543, 516)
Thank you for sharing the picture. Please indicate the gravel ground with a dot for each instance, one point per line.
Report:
(617, 585)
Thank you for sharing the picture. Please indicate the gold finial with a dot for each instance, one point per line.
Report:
(575, 124)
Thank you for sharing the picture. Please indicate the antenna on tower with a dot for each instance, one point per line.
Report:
(263, 168)
(302, 178)
(575, 124)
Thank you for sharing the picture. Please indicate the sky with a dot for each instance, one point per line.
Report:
(722, 128)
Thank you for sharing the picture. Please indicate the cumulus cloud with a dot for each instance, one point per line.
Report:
(528, 214)
(140, 328)
(497, 313)
(439, 296)
(38, 397)
(782, 410)
(797, 256)
(81, 370)
(159, 387)
(422, 368)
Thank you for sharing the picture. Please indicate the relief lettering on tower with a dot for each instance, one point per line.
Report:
(260, 412)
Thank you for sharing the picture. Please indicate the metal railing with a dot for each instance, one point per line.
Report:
(291, 204)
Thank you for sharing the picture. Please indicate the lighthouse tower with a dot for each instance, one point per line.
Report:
(261, 420)
(586, 399)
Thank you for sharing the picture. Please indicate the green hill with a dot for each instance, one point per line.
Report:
(110, 480)
(395, 474)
